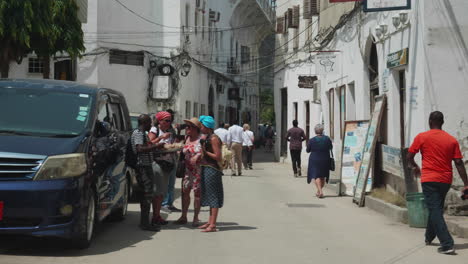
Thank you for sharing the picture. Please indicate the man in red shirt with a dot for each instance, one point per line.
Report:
(438, 150)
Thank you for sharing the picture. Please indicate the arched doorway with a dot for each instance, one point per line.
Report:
(373, 68)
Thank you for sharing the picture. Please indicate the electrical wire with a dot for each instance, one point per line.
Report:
(162, 25)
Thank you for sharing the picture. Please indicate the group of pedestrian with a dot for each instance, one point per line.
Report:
(238, 146)
(320, 148)
(157, 168)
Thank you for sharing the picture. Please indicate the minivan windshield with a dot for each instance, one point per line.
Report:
(43, 112)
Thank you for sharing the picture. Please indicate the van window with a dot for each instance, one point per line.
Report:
(44, 112)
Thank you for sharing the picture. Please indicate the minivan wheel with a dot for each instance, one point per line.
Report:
(86, 226)
(120, 213)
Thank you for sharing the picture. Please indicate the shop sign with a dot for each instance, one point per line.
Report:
(398, 58)
(386, 5)
(306, 81)
(391, 160)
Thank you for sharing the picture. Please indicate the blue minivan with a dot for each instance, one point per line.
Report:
(62, 165)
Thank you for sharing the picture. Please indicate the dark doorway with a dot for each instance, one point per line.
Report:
(402, 86)
(284, 121)
(65, 70)
(211, 101)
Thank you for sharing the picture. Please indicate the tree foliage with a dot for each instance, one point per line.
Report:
(267, 107)
(43, 26)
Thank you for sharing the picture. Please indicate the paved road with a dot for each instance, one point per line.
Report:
(269, 217)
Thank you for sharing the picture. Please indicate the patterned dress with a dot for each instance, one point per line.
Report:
(212, 193)
(192, 171)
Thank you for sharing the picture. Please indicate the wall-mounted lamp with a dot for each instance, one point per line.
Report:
(400, 20)
(384, 29)
(186, 67)
(378, 32)
(396, 21)
(404, 18)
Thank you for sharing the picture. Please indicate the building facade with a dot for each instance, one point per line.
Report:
(415, 56)
(209, 50)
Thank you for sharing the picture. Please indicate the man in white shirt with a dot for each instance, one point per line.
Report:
(247, 146)
(222, 132)
(235, 140)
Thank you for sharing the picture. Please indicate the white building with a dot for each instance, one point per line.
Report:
(416, 56)
(127, 41)
(295, 76)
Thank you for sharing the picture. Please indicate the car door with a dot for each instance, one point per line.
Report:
(119, 139)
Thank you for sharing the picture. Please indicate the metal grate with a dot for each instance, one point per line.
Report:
(17, 166)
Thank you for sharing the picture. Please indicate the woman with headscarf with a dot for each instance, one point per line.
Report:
(319, 148)
(193, 153)
(211, 181)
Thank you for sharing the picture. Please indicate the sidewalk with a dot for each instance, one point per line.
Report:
(458, 225)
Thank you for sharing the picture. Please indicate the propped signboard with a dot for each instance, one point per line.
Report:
(351, 154)
(368, 151)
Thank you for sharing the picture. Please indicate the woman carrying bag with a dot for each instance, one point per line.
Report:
(320, 162)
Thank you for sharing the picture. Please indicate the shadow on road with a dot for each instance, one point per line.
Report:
(109, 237)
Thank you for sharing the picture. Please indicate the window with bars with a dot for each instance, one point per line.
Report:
(202, 109)
(188, 109)
(35, 65)
(195, 110)
(126, 57)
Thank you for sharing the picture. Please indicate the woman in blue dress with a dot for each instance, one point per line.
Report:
(319, 148)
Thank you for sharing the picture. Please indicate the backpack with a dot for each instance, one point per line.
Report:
(131, 158)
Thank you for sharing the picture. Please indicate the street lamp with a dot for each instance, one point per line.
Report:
(186, 67)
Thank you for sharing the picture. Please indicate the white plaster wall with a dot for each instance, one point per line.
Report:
(446, 73)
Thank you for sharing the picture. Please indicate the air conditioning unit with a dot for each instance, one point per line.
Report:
(316, 95)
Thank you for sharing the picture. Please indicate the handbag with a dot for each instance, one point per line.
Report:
(180, 172)
(332, 161)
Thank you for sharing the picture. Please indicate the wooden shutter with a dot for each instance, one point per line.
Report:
(315, 7)
(280, 25)
(286, 21)
(307, 14)
(290, 18)
(296, 16)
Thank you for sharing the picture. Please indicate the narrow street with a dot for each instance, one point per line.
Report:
(269, 217)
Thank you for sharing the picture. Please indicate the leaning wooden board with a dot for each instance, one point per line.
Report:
(351, 157)
(368, 151)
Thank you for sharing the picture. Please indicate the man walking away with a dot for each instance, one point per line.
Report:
(296, 136)
(235, 144)
(144, 173)
(247, 146)
(223, 134)
(438, 149)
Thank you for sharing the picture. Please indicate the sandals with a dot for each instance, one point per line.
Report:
(204, 226)
(196, 223)
(181, 221)
(210, 229)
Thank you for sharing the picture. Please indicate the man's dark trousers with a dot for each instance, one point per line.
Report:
(296, 159)
(434, 194)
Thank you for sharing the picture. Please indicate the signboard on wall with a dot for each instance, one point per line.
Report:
(398, 58)
(353, 143)
(392, 161)
(306, 81)
(368, 151)
(386, 5)
(327, 63)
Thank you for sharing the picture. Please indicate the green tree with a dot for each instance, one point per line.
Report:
(65, 34)
(43, 26)
(267, 106)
